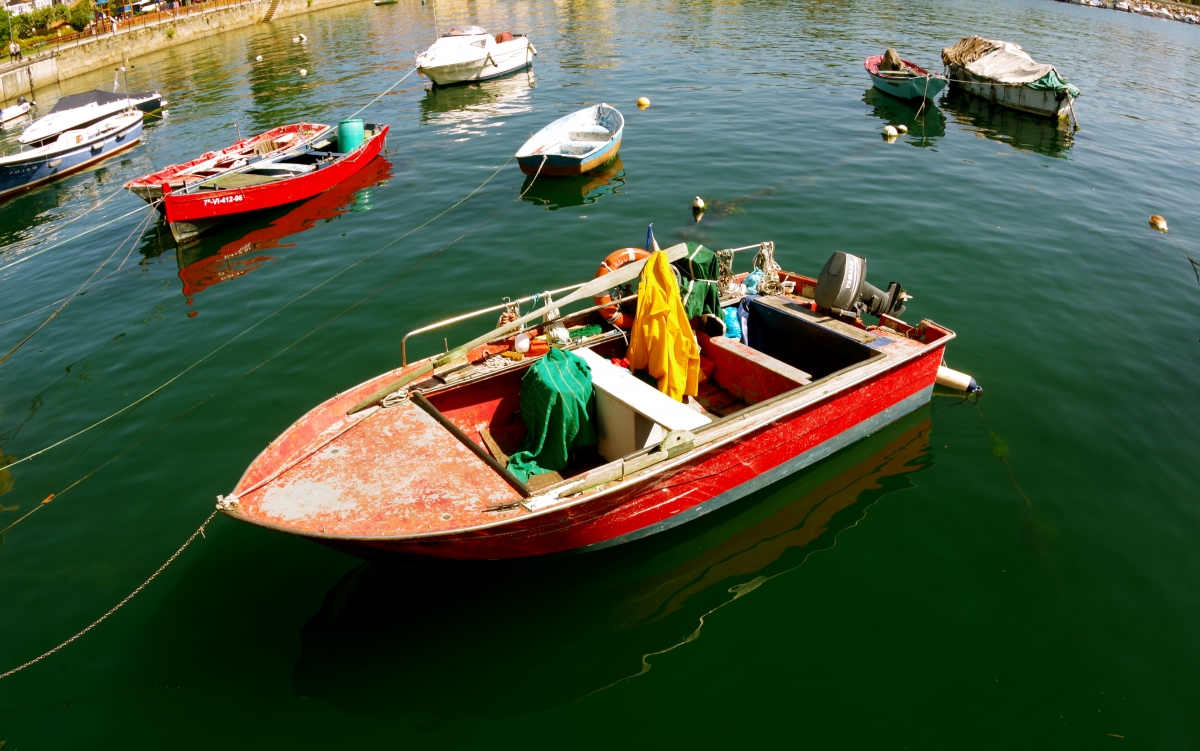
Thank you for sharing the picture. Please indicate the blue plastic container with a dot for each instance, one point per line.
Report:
(350, 135)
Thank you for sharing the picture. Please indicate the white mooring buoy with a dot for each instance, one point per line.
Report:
(889, 133)
(1158, 223)
(902, 129)
(258, 59)
(303, 72)
(698, 204)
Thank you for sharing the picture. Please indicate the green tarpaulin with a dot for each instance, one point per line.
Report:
(699, 273)
(1053, 82)
(558, 406)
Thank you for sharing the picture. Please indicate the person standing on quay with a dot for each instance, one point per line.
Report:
(14, 51)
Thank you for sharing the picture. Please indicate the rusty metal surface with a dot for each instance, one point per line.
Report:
(398, 472)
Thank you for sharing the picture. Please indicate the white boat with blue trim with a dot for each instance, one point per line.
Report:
(72, 151)
(574, 144)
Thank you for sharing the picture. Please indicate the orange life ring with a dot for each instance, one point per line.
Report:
(616, 259)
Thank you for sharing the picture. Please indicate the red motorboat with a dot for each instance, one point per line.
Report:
(272, 143)
(271, 181)
(413, 461)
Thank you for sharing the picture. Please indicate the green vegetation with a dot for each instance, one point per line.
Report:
(25, 26)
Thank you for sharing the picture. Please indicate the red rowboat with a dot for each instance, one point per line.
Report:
(268, 182)
(419, 471)
(271, 143)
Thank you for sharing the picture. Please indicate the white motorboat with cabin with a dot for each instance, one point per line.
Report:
(469, 53)
(81, 110)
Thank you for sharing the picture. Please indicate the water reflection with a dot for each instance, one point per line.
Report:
(439, 641)
(575, 191)
(1017, 129)
(925, 124)
(466, 109)
(218, 258)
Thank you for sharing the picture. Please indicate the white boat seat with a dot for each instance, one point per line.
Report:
(297, 168)
(590, 134)
(630, 413)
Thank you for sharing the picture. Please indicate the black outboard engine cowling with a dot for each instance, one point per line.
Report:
(843, 289)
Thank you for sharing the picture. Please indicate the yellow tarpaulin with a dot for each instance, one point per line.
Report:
(662, 341)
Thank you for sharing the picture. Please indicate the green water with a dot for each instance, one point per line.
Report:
(1021, 574)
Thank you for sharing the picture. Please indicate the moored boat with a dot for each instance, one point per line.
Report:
(9, 116)
(1004, 73)
(420, 460)
(80, 110)
(71, 151)
(908, 81)
(469, 53)
(574, 144)
(288, 177)
(266, 145)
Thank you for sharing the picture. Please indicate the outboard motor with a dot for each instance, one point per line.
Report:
(843, 289)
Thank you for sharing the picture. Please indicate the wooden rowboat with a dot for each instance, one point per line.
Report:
(912, 83)
(271, 143)
(572, 145)
(278, 180)
(420, 473)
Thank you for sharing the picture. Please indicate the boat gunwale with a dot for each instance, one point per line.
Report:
(180, 200)
(781, 406)
(155, 179)
(575, 158)
(874, 71)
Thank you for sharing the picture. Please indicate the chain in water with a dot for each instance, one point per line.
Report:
(199, 531)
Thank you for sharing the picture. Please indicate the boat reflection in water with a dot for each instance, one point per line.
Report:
(465, 110)
(575, 191)
(1017, 129)
(216, 258)
(440, 640)
(925, 125)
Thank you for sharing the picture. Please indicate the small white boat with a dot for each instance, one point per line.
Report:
(468, 53)
(574, 144)
(10, 115)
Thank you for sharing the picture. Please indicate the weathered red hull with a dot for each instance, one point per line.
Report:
(721, 475)
(442, 505)
(204, 209)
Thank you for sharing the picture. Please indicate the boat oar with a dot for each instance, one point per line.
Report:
(626, 273)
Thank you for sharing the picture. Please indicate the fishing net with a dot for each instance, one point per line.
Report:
(968, 50)
(557, 406)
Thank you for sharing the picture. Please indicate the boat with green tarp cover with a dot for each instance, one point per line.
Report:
(570, 428)
(1004, 73)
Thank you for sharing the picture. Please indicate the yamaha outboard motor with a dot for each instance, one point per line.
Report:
(843, 289)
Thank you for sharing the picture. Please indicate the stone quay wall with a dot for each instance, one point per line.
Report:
(106, 49)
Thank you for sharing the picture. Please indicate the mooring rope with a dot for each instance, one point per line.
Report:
(88, 231)
(250, 328)
(118, 190)
(137, 229)
(385, 93)
(76, 218)
(199, 531)
(406, 273)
